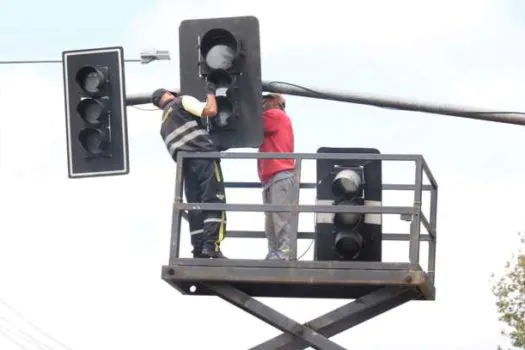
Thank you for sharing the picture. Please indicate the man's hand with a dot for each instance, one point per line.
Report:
(210, 88)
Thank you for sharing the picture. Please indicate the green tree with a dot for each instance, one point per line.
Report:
(509, 290)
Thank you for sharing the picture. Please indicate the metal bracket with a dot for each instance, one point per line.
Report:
(315, 333)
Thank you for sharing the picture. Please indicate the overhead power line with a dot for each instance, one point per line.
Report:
(54, 61)
(146, 56)
(23, 318)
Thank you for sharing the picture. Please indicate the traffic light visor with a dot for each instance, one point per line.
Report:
(92, 111)
(93, 141)
(224, 111)
(221, 78)
(348, 244)
(219, 48)
(347, 184)
(91, 79)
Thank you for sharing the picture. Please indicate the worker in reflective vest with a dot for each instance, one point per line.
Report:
(182, 130)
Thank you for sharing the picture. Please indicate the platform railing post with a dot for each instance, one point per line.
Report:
(295, 209)
(177, 215)
(433, 235)
(415, 224)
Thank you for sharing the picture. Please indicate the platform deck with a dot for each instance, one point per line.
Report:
(298, 279)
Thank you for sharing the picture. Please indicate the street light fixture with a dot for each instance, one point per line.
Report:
(146, 56)
(150, 55)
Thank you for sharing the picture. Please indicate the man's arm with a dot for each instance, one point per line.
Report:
(210, 108)
(272, 120)
(198, 108)
(202, 109)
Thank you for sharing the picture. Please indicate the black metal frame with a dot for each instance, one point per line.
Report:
(383, 285)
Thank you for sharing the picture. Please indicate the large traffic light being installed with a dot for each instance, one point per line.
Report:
(96, 122)
(225, 51)
(348, 236)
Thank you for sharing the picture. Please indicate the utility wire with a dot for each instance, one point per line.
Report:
(55, 61)
(8, 337)
(22, 334)
(33, 325)
(22, 342)
(146, 109)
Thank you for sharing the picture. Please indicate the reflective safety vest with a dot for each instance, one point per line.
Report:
(182, 131)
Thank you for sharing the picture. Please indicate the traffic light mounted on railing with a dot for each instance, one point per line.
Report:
(348, 236)
(225, 51)
(96, 122)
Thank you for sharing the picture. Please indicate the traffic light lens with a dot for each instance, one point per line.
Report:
(347, 184)
(224, 111)
(219, 47)
(348, 219)
(92, 111)
(221, 78)
(348, 244)
(93, 141)
(90, 79)
(92, 82)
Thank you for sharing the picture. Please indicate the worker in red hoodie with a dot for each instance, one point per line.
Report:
(277, 175)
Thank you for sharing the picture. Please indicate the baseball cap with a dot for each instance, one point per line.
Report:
(157, 94)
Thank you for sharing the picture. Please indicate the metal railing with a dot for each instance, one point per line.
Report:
(413, 213)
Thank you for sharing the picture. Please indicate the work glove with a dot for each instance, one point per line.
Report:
(210, 88)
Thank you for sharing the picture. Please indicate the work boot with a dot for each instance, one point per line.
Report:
(212, 254)
(197, 253)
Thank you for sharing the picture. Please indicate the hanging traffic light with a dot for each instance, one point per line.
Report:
(96, 120)
(348, 236)
(226, 52)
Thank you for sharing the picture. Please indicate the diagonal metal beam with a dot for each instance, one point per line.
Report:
(272, 317)
(345, 317)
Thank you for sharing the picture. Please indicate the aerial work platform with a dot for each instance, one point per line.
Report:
(376, 286)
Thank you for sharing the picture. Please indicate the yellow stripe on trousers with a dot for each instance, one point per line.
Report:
(221, 226)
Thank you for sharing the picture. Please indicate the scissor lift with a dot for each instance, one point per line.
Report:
(376, 286)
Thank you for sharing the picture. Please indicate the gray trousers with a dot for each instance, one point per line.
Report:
(278, 225)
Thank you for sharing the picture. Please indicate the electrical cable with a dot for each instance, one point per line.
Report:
(33, 325)
(23, 335)
(320, 94)
(307, 249)
(146, 109)
(22, 341)
(54, 61)
(11, 339)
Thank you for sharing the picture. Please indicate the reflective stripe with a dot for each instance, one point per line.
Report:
(196, 232)
(213, 220)
(166, 114)
(221, 232)
(179, 131)
(192, 135)
(216, 168)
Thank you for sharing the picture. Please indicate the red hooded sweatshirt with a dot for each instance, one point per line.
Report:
(278, 137)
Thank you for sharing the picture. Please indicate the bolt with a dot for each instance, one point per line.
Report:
(299, 329)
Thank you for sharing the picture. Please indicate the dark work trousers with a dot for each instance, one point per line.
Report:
(204, 183)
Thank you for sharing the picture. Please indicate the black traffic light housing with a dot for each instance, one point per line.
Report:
(95, 104)
(348, 236)
(225, 51)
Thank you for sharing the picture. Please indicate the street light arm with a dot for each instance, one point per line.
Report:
(508, 117)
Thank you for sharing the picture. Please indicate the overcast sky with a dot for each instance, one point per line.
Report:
(81, 259)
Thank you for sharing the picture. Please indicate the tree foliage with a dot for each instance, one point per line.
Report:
(509, 290)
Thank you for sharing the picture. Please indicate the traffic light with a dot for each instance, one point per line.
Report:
(348, 236)
(96, 121)
(225, 51)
